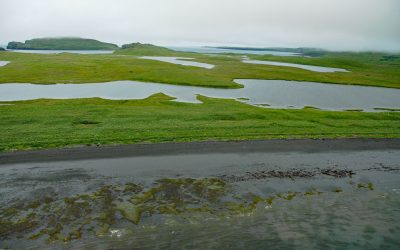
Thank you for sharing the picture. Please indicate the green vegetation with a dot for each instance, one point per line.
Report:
(57, 123)
(62, 43)
(388, 109)
(64, 219)
(375, 69)
(2, 49)
(371, 69)
(139, 49)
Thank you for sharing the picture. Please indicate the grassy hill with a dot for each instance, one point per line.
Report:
(62, 44)
(139, 49)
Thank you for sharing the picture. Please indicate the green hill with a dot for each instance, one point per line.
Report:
(62, 44)
(139, 49)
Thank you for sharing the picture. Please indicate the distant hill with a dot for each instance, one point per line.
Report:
(62, 44)
(139, 49)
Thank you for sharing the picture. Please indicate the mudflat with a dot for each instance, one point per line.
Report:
(251, 146)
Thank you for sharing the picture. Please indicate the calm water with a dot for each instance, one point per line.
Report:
(300, 66)
(3, 63)
(64, 51)
(357, 211)
(180, 61)
(276, 93)
(209, 50)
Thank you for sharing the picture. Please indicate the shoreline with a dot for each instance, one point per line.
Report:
(249, 146)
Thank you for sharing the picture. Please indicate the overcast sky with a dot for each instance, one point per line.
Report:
(331, 24)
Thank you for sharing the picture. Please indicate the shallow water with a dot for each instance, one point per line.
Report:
(357, 210)
(3, 63)
(210, 50)
(64, 51)
(180, 61)
(275, 93)
(294, 65)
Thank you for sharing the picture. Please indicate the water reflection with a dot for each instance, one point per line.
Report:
(264, 93)
(307, 200)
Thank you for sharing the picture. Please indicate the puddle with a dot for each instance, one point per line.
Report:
(3, 63)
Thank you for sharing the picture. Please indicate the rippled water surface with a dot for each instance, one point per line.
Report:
(258, 200)
(266, 93)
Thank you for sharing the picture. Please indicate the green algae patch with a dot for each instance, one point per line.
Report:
(130, 212)
(287, 196)
(65, 219)
(369, 186)
(312, 191)
(337, 190)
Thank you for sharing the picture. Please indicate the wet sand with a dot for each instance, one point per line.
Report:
(287, 194)
(267, 146)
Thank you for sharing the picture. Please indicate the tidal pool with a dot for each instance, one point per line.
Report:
(180, 61)
(263, 93)
(294, 65)
(3, 63)
(250, 199)
(63, 51)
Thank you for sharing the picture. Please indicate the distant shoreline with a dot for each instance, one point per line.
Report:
(250, 146)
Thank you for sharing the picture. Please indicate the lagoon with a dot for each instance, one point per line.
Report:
(264, 93)
(295, 65)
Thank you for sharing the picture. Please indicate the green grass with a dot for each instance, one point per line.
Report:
(138, 49)
(62, 43)
(370, 69)
(366, 68)
(58, 123)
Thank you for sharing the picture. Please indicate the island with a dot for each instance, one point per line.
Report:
(62, 43)
(140, 49)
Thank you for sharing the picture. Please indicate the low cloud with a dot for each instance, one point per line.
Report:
(331, 24)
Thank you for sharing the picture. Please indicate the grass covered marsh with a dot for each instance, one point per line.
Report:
(370, 69)
(58, 123)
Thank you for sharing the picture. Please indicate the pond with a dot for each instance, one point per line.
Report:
(90, 52)
(180, 61)
(3, 63)
(263, 93)
(248, 198)
(294, 65)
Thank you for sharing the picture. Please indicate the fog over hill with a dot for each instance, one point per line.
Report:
(329, 24)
